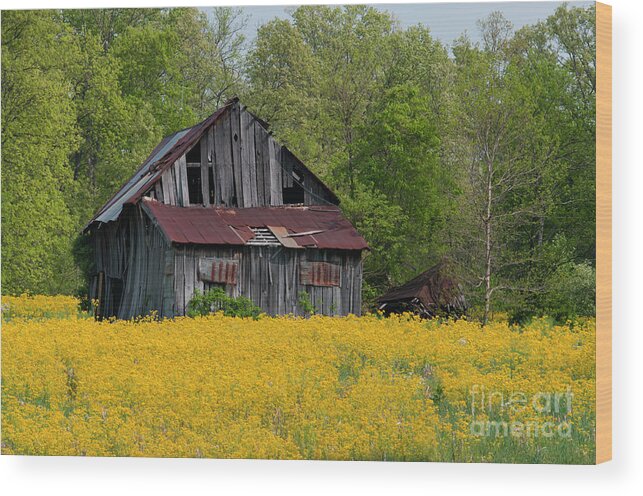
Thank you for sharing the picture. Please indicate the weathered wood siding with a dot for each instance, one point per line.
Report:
(270, 277)
(248, 166)
(149, 275)
(138, 267)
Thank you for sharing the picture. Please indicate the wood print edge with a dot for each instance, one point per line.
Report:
(603, 232)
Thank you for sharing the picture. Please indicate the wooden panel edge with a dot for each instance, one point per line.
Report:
(603, 232)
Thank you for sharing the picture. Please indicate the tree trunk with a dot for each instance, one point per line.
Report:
(488, 245)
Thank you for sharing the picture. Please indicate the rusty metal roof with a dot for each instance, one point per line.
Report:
(321, 227)
(435, 287)
(162, 157)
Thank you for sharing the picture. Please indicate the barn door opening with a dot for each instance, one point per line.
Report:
(116, 295)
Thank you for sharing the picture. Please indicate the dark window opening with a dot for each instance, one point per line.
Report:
(294, 194)
(211, 185)
(194, 185)
(194, 155)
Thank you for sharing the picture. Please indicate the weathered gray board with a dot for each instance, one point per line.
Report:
(136, 258)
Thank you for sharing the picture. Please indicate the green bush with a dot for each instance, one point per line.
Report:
(571, 292)
(306, 304)
(216, 300)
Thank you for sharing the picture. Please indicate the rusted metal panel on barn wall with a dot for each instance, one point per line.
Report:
(218, 270)
(319, 273)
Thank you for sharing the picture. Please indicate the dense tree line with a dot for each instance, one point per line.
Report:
(482, 152)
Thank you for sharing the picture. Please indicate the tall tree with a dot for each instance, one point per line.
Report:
(397, 156)
(38, 135)
(505, 150)
(328, 62)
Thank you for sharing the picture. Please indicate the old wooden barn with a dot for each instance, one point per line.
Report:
(224, 204)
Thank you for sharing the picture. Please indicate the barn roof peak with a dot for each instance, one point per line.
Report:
(163, 156)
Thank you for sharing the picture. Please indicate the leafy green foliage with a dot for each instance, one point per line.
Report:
(216, 300)
(305, 303)
(38, 135)
(571, 292)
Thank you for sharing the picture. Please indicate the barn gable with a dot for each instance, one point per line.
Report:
(230, 160)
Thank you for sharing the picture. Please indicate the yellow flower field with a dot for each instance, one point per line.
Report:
(40, 306)
(349, 388)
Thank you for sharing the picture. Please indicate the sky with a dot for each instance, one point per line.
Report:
(447, 21)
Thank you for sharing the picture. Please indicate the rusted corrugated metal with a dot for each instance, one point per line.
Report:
(435, 291)
(218, 270)
(319, 274)
(232, 226)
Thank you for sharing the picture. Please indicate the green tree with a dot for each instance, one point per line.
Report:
(314, 78)
(38, 135)
(397, 157)
(505, 152)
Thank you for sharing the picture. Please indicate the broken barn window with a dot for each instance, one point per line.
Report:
(194, 155)
(194, 184)
(294, 192)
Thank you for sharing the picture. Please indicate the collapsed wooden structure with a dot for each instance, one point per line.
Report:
(224, 204)
(434, 292)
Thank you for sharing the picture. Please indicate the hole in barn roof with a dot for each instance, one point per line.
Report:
(263, 237)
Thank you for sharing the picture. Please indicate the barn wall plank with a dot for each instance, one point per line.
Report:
(227, 182)
(183, 181)
(259, 168)
(223, 181)
(265, 166)
(276, 197)
(247, 160)
(235, 145)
